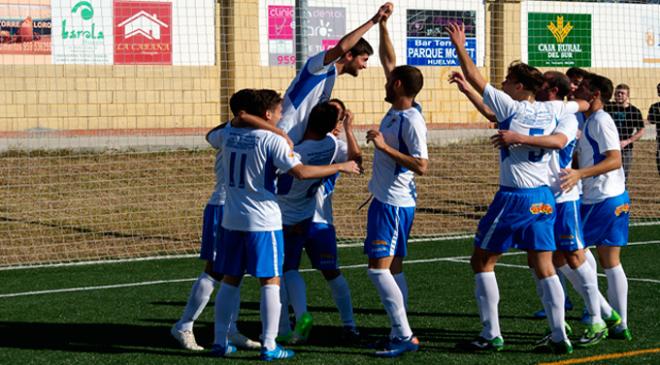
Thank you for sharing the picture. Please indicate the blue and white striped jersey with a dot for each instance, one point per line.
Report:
(312, 85)
(563, 158)
(251, 159)
(391, 183)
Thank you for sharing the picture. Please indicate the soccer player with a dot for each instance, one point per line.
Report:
(182, 331)
(400, 153)
(605, 205)
(570, 257)
(252, 240)
(523, 210)
(315, 81)
(307, 218)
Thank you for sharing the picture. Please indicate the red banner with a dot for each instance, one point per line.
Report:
(143, 33)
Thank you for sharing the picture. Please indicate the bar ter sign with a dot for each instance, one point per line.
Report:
(559, 40)
(143, 33)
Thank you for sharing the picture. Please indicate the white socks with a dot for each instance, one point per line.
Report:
(488, 297)
(403, 286)
(270, 307)
(605, 308)
(225, 304)
(199, 297)
(392, 299)
(295, 287)
(584, 281)
(342, 296)
(553, 303)
(617, 292)
(233, 329)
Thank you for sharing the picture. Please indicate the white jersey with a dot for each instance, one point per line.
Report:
(563, 158)
(525, 166)
(599, 136)
(391, 183)
(323, 207)
(251, 159)
(297, 197)
(312, 85)
(219, 193)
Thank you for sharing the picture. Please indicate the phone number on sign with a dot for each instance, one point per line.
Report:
(286, 60)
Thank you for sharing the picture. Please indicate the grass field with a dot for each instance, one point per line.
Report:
(120, 313)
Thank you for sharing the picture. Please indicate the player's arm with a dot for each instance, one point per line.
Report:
(638, 121)
(386, 48)
(304, 172)
(415, 164)
(354, 151)
(476, 99)
(351, 39)
(611, 162)
(472, 75)
(504, 139)
(244, 119)
(210, 133)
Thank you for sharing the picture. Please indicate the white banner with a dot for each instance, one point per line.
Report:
(82, 32)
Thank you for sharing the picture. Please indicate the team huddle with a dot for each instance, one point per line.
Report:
(279, 158)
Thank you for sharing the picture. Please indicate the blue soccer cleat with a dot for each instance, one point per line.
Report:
(278, 353)
(398, 346)
(222, 351)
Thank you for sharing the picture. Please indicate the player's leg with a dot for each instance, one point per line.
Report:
(293, 290)
(617, 288)
(203, 287)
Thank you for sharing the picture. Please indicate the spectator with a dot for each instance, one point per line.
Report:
(629, 123)
(654, 118)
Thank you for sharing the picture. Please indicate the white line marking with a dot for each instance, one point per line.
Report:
(457, 259)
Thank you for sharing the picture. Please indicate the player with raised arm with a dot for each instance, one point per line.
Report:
(252, 240)
(605, 205)
(569, 258)
(523, 210)
(315, 81)
(307, 218)
(202, 289)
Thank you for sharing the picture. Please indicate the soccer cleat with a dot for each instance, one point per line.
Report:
(278, 353)
(300, 333)
(623, 334)
(222, 351)
(586, 317)
(241, 341)
(593, 334)
(186, 339)
(482, 344)
(560, 348)
(548, 334)
(350, 334)
(398, 346)
(613, 320)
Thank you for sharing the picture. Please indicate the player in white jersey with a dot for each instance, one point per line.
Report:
(203, 287)
(315, 81)
(605, 205)
(523, 210)
(252, 240)
(570, 257)
(304, 205)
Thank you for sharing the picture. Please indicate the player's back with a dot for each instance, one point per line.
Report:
(297, 198)
(251, 158)
(312, 85)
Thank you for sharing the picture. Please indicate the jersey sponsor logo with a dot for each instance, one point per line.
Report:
(379, 243)
(541, 208)
(624, 208)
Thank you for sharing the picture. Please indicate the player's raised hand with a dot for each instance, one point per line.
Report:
(456, 34)
(383, 13)
(350, 167)
(458, 79)
(348, 119)
(377, 138)
(570, 178)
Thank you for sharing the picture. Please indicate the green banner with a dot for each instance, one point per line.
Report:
(559, 40)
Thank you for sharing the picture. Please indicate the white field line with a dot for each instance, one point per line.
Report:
(457, 259)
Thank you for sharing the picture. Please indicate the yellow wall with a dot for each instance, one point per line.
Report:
(85, 97)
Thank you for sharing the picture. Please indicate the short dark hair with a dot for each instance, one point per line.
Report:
(602, 84)
(323, 118)
(411, 79)
(560, 81)
(623, 87)
(361, 47)
(246, 100)
(339, 102)
(268, 100)
(576, 72)
(530, 77)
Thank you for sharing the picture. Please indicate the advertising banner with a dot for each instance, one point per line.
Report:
(25, 29)
(428, 42)
(559, 40)
(143, 33)
(82, 32)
